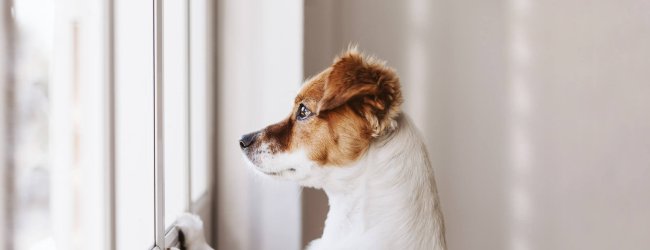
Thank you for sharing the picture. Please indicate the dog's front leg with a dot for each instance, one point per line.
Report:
(191, 227)
(315, 245)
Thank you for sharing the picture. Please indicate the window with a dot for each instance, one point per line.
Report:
(106, 135)
(134, 125)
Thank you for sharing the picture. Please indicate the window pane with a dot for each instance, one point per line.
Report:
(32, 173)
(58, 193)
(199, 102)
(134, 124)
(175, 108)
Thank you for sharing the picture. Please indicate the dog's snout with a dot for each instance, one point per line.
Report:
(247, 140)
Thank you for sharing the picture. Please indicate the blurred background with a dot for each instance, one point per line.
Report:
(535, 115)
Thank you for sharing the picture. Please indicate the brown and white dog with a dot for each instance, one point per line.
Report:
(346, 135)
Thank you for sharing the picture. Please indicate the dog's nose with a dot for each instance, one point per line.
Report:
(247, 140)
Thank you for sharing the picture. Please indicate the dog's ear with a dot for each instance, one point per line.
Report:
(366, 85)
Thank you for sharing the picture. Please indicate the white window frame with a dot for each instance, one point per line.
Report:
(159, 125)
(163, 237)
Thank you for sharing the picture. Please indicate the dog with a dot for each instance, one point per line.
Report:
(347, 135)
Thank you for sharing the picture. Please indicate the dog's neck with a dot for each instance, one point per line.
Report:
(390, 195)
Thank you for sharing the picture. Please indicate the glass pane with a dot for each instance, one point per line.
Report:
(57, 198)
(199, 104)
(175, 108)
(134, 124)
(32, 171)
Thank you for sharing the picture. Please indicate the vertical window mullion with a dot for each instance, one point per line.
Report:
(159, 203)
(110, 125)
(7, 128)
(189, 107)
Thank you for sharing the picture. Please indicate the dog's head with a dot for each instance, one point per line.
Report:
(336, 116)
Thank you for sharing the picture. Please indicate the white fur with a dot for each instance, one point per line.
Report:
(287, 165)
(386, 200)
(192, 228)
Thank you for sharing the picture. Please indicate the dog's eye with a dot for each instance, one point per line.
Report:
(303, 112)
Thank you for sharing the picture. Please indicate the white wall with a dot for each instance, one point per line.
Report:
(259, 72)
(535, 113)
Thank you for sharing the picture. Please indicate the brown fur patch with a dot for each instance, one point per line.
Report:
(279, 135)
(353, 101)
(366, 84)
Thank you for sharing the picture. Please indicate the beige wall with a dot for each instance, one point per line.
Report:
(535, 112)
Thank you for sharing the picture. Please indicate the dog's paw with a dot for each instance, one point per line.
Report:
(191, 227)
(315, 245)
